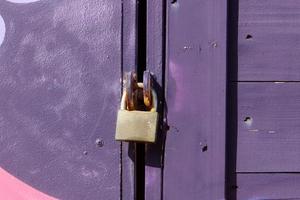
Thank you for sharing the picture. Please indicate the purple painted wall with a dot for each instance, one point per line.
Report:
(60, 65)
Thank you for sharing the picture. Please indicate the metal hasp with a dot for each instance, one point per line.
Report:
(138, 117)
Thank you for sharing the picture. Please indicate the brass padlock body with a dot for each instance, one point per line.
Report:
(135, 125)
(139, 126)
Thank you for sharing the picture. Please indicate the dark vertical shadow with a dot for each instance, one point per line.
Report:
(232, 95)
(139, 158)
(164, 120)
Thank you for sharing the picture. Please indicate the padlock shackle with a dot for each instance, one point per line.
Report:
(140, 85)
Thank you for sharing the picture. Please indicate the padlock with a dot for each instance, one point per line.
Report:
(136, 125)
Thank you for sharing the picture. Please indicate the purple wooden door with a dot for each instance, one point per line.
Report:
(227, 78)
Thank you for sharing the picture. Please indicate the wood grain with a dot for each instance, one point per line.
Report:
(268, 186)
(268, 127)
(129, 46)
(155, 63)
(269, 40)
(196, 87)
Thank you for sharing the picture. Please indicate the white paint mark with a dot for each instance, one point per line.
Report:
(175, 5)
(248, 121)
(272, 132)
(2, 30)
(34, 171)
(22, 1)
(279, 82)
(89, 173)
(111, 188)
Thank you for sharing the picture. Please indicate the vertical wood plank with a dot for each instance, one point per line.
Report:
(128, 64)
(155, 63)
(195, 144)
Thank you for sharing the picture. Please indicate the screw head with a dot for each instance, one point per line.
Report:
(99, 142)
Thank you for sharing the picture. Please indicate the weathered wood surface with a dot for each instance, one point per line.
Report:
(129, 45)
(59, 90)
(155, 63)
(196, 87)
(268, 186)
(269, 41)
(268, 127)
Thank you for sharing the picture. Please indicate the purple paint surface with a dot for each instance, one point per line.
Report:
(155, 63)
(196, 87)
(60, 85)
(268, 186)
(129, 64)
(269, 42)
(268, 111)
(268, 127)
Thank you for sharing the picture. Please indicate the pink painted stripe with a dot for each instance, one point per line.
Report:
(12, 188)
